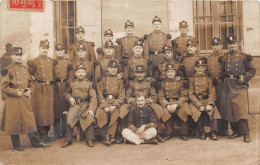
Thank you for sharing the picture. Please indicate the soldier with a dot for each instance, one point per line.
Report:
(18, 117)
(80, 34)
(108, 36)
(202, 98)
(238, 70)
(214, 68)
(41, 69)
(111, 95)
(141, 123)
(141, 86)
(83, 100)
(179, 44)
(173, 97)
(61, 76)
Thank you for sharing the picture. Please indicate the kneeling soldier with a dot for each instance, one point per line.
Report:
(83, 100)
(141, 123)
(18, 117)
(173, 97)
(202, 98)
(111, 95)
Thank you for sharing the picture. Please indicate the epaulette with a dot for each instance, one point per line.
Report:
(92, 44)
(118, 40)
(248, 56)
(169, 36)
(30, 62)
(49, 58)
(145, 37)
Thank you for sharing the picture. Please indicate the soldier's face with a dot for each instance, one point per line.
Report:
(184, 30)
(108, 38)
(217, 47)
(140, 101)
(112, 70)
(81, 53)
(80, 74)
(200, 70)
(109, 51)
(80, 36)
(43, 51)
(140, 75)
(233, 46)
(168, 55)
(157, 25)
(171, 73)
(16, 58)
(129, 30)
(59, 53)
(192, 49)
(138, 50)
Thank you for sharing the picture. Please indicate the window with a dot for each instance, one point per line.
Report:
(65, 22)
(216, 19)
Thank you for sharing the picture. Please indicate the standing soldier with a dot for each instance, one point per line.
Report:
(108, 36)
(214, 68)
(61, 76)
(18, 117)
(238, 70)
(179, 44)
(80, 34)
(41, 70)
(83, 100)
(111, 95)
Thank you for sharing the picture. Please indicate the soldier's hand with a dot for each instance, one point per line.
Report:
(241, 79)
(83, 115)
(91, 113)
(141, 129)
(201, 108)
(72, 101)
(148, 78)
(112, 108)
(119, 76)
(131, 101)
(107, 109)
(169, 107)
(149, 101)
(20, 93)
(28, 93)
(209, 107)
(174, 107)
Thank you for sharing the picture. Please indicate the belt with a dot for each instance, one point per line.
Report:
(111, 96)
(172, 99)
(80, 100)
(61, 80)
(45, 82)
(232, 76)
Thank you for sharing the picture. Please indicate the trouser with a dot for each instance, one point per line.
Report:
(169, 125)
(33, 137)
(192, 125)
(240, 127)
(222, 126)
(122, 125)
(43, 131)
(204, 117)
(105, 130)
(138, 139)
(60, 126)
(89, 132)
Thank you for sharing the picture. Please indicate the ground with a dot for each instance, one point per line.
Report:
(174, 151)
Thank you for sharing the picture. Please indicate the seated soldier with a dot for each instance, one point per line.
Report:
(141, 86)
(141, 123)
(202, 98)
(111, 95)
(173, 97)
(82, 97)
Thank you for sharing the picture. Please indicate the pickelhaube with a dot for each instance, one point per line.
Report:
(59, 47)
(109, 44)
(157, 19)
(231, 39)
(129, 23)
(140, 68)
(80, 30)
(193, 42)
(45, 44)
(112, 63)
(201, 62)
(216, 40)
(17, 50)
(170, 67)
(167, 48)
(139, 43)
(183, 24)
(81, 47)
(108, 32)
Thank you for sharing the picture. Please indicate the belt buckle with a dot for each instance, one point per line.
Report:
(47, 82)
(110, 96)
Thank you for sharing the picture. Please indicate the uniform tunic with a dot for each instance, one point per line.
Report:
(18, 117)
(189, 65)
(41, 69)
(87, 64)
(125, 47)
(234, 95)
(133, 62)
(91, 56)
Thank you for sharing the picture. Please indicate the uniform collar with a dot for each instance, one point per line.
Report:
(184, 35)
(171, 79)
(60, 57)
(157, 31)
(43, 56)
(200, 75)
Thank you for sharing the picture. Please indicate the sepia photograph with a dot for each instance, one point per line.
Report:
(132, 82)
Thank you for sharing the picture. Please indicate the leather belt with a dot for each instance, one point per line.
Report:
(45, 82)
(232, 76)
(80, 100)
(61, 80)
(111, 96)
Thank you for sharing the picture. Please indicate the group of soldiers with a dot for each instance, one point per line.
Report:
(135, 90)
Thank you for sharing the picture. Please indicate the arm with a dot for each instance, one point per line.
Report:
(153, 95)
(152, 119)
(120, 100)
(129, 93)
(68, 92)
(93, 99)
(9, 89)
(162, 99)
(101, 99)
(183, 96)
(131, 120)
(146, 48)
(212, 93)
(92, 52)
(250, 70)
(191, 93)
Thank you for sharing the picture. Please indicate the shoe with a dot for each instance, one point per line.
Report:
(167, 138)
(107, 141)
(42, 145)
(202, 136)
(66, 144)
(47, 139)
(160, 139)
(20, 148)
(184, 137)
(234, 135)
(213, 136)
(247, 138)
(151, 141)
(119, 140)
(90, 143)
(225, 133)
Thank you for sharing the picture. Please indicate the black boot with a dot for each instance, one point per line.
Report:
(247, 138)
(160, 139)
(213, 136)
(107, 140)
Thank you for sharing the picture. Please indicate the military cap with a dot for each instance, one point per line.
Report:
(80, 66)
(112, 63)
(17, 50)
(140, 68)
(59, 47)
(80, 30)
(108, 32)
(129, 23)
(157, 19)
(109, 44)
(170, 67)
(201, 62)
(167, 48)
(138, 43)
(45, 44)
(192, 42)
(81, 46)
(183, 24)
(231, 39)
(216, 40)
